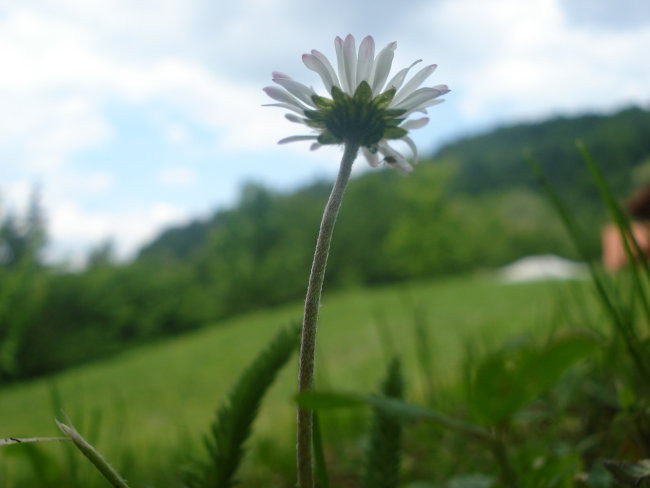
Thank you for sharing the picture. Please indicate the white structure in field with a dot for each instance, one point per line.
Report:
(543, 267)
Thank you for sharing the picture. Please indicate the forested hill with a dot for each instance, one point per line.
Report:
(490, 165)
(472, 206)
(493, 161)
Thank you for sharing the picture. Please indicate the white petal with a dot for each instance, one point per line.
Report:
(381, 68)
(396, 158)
(413, 147)
(372, 158)
(422, 107)
(340, 60)
(295, 118)
(283, 96)
(397, 80)
(418, 97)
(366, 59)
(413, 83)
(414, 124)
(286, 140)
(315, 64)
(350, 58)
(287, 106)
(300, 91)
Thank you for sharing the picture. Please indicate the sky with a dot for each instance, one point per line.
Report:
(130, 116)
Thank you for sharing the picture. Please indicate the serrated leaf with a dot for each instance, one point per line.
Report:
(384, 449)
(234, 419)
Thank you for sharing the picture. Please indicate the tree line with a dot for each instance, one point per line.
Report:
(474, 206)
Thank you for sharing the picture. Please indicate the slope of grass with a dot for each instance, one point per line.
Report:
(158, 400)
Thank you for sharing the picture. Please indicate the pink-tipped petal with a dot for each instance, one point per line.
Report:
(340, 61)
(397, 80)
(422, 108)
(417, 98)
(283, 96)
(298, 90)
(350, 60)
(366, 59)
(381, 67)
(315, 64)
(413, 83)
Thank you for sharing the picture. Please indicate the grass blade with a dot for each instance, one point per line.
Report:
(622, 325)
(7, 441)
(93, 456)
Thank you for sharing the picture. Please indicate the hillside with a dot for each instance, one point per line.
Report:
(472, 206)
(487, 164)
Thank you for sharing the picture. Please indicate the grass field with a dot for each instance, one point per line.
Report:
(157, 400)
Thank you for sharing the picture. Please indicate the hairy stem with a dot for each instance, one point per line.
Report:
(310, 319)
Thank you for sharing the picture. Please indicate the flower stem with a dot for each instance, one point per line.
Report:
(310, 319)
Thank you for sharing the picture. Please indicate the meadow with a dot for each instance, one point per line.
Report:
(147, 408)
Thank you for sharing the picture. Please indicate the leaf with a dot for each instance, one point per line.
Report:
(405, 412)
(509, 379)
(234, 419)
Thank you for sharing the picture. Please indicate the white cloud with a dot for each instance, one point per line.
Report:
(521, 59)
(177, 176)
(80, 229)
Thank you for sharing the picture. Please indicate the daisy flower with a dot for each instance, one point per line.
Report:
(363, 108)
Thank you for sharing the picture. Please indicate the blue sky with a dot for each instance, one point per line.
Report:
(135, 115)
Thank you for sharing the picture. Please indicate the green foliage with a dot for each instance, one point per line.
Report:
(382, 467)
(508, 379)
(235, 417)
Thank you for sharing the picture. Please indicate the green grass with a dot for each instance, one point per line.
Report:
(158, 400)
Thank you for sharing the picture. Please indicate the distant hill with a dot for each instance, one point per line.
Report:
(473, 206)
(493, 163)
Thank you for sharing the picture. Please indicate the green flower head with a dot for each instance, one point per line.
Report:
(362, 108)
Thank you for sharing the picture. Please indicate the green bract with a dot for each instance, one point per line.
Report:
(359, 119)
